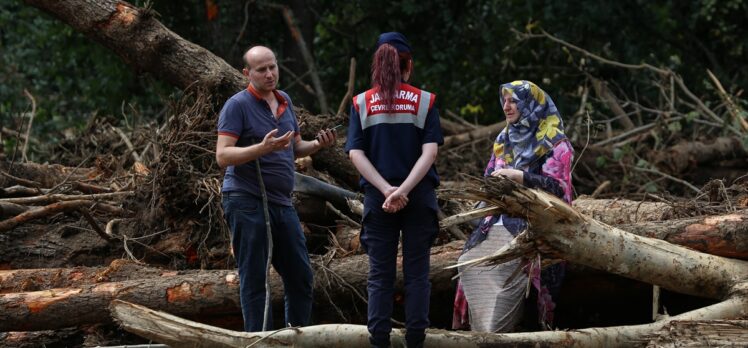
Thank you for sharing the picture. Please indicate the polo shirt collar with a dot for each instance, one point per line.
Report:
(282, 102)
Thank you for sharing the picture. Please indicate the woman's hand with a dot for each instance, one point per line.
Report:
(396, 199)
(513, 174)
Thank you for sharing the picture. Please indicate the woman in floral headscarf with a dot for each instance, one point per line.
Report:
(532, 150)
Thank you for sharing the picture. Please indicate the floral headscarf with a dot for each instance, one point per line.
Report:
(538, 129)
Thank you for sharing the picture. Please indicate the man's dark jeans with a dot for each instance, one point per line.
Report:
(246, 219)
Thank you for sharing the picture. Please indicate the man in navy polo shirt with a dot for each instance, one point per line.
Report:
(392, 140)
(259, 124)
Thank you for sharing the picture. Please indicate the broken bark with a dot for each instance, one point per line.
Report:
(174, 331)
(702, 333)
(207, 292)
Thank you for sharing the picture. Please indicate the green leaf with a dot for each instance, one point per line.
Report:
(600, 161)
(650, 187)
(617, 154)
(692, 116)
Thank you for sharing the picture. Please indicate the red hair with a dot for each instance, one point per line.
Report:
(387, 70)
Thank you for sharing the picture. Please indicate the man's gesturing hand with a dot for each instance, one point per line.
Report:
(270, 143)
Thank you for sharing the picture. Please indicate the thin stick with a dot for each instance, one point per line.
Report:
(343, 216)
(95, 225)
(636, 130)
(244, 27)
(590, 54)
(600, 188)
(349, 93)
(653, 171)
(457, 118)
(297, 79)
(731, 106)
(587, 142)
(308, 59)
(41, 212)
(22, 181)
(44, 199)
(127, 141)
(28, 128)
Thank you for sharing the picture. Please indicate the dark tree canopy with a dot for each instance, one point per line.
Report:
(463, 51)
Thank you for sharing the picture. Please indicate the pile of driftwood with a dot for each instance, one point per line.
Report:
(129, 264)
(131, 225)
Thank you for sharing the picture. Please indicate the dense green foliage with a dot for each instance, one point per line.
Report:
(70, 77)
(463, 50)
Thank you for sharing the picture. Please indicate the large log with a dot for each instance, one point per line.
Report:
(25, 280)
(174, 331)
(685, 155)
(57, 245)
(143, 42)
(208, 292)
(702, 333)
(46, 175)
(583, 240)
(623, 211)
(721, 235)
(486, 132)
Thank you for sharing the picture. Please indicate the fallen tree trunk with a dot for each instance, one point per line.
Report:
(331, 193)
(143, 42)
(609, 211)
(46, 175)
(25, 280)
(623, 211)
(486, 132)
(174, 331)
(208, 292)
(580, 239)
(691, 154)
(721, 235)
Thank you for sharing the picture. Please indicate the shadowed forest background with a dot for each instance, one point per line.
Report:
(463, 51)
(651, 93)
